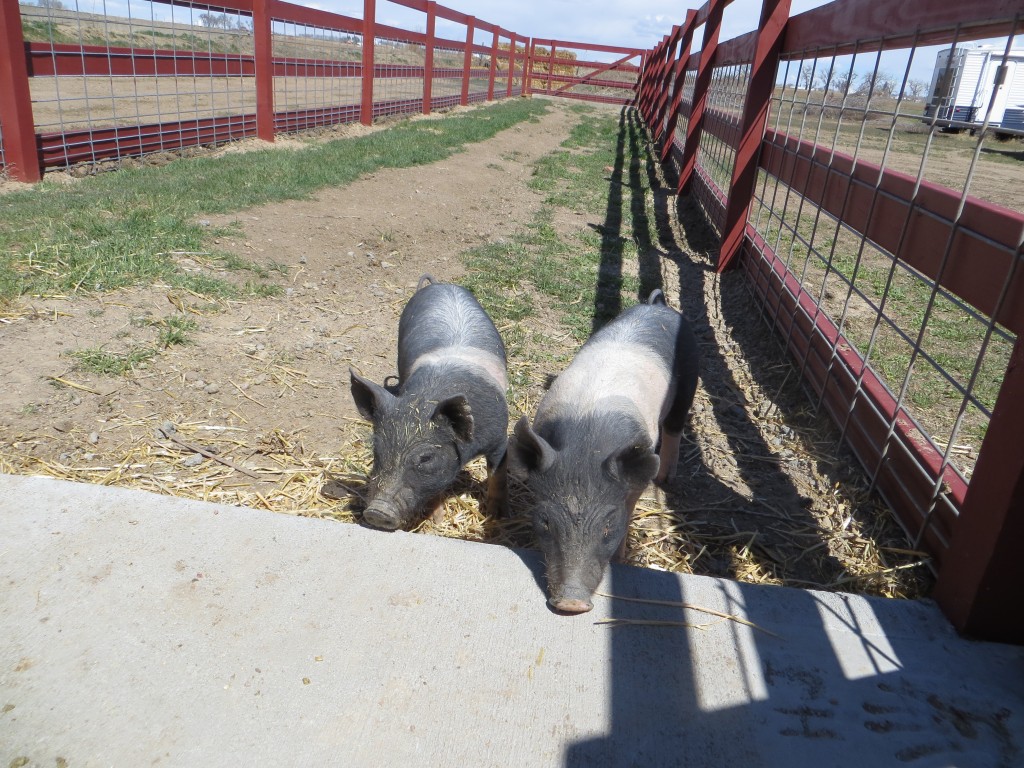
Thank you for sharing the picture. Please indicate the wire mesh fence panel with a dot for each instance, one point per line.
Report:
(447, 78)
(398, 77)
(317, 75)
(137, 77)
(142, 76)
(869, 210)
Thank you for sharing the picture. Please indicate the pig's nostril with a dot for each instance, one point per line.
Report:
(384, 519)
(571, 605)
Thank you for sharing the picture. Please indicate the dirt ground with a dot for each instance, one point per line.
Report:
(263, 416)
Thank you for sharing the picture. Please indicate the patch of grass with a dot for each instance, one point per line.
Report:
(122, 228)
(101, 361)
(580, 273)
(174, 330)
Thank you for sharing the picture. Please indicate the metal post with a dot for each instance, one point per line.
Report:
(531, 49)
(20, 153)
(772, 27)
(511, 64)
(677, 88)
(494, 66)
(369, 25)
(263, 55)
(551, 68)
(467, 62)
(428, 60)
(979, 583)
(665, 88)
(694, 127)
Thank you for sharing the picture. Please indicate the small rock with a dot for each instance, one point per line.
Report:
(260, 379)
(194, 460)
(191, 376)
(204, 222)
(198, 384)
(211, 389)
(386, 265)
(94, 437)
(289, 292)
(65, 425)
(302, 259)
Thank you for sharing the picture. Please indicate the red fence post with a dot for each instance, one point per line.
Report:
(551, 68)
(494, 66)
(366, 102)
(979, 584)
(20, 153)
(677, 87)
(665, 88)
(428, 57)
(663, 96)
(712, 26)
(531, 50)
(772, 27)
(648, 82)
(263, 55)
(467, 62)
(656, 84)
(511, 64)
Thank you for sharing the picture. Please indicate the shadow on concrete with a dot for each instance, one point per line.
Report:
(846, 685)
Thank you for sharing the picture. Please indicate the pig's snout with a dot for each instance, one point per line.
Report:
(571, 604)
(382, 515)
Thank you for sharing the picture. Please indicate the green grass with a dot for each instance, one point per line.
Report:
(97, 360)
(122, 228)
(597, 170)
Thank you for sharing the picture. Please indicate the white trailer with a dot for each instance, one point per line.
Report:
(967, 80)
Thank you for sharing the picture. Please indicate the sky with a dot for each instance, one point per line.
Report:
(628, 23)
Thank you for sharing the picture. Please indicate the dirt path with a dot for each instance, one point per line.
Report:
(264, 386)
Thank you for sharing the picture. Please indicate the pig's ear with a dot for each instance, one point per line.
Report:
(456, 411)
(636, 466)
(529, 450)
(370, 398)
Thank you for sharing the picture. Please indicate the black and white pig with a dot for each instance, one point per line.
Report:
(449, 408)
(591, 450)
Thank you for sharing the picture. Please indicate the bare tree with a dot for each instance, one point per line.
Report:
(55, 5)
(806, 75)
(878, 83)
(844, 82)
(917, 88)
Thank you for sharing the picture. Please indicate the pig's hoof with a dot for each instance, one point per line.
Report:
(571, 605)
(381, 518)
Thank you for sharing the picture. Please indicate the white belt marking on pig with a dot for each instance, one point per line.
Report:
(490, 365)
(611, 376)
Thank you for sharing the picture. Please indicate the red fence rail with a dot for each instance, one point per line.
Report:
(731, 119)
(268, 67)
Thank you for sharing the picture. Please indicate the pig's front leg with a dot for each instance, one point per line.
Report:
(497, 481)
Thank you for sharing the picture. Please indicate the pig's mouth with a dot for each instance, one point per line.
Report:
(571, 605)
(385, 516)
(571, 599)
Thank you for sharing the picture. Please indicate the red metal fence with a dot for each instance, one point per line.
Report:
(900, 297)
(161, 75)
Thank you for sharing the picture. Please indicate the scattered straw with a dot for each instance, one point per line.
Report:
(687, 606)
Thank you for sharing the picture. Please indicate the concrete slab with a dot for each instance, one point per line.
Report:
(144, 630)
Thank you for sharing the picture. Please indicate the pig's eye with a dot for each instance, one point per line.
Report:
(424, 460)
(544, 524)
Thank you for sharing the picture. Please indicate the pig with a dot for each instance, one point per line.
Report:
(449, 407)
(590, 452)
